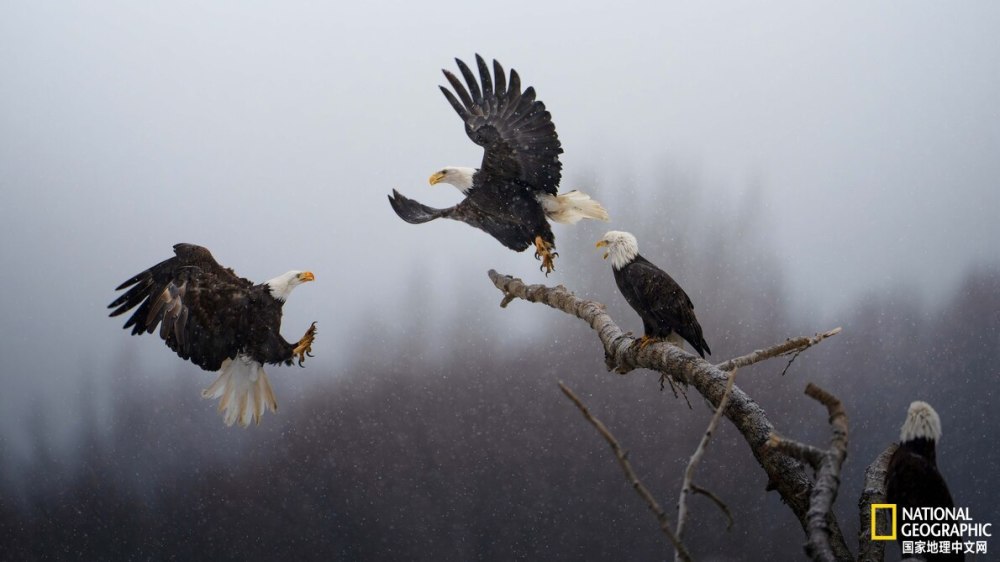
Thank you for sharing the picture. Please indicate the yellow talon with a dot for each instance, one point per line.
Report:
(544, 251)
(304, 348)
(645, 341)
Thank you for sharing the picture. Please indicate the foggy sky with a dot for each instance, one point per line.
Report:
(271, 133)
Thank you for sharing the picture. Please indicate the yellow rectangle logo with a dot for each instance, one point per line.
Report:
(883, 506)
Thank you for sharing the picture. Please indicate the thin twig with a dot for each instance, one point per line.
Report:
(630, 474)
(688, 484)
(792, 360)
(725, 508)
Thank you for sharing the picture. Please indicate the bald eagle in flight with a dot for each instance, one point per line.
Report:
(515, 189)
(912, 478)
(220, 322)
(665, 309)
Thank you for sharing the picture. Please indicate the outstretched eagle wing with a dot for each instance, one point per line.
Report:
(516, 131)
(193, 300)
(414, 212)
(514, 235)
(662, 299)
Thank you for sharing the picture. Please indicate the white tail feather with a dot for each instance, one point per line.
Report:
(243, 391)
(571, 207)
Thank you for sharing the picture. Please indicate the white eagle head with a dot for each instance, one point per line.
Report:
(922, 422)
(282, 285)
(454, 175)
(622, 247)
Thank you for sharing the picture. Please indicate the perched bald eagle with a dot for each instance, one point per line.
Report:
(219, 321)
(665, 309)
(516, 187)
(912, 478)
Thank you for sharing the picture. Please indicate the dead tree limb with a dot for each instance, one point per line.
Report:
(827, 464)
(622, 455)
(793, 345)
(874, 492)
(785, 474)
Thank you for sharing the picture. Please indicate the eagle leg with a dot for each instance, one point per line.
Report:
(304, 347)
(544, 251)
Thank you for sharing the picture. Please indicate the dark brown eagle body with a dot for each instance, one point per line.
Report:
(661, 303)
(219, 321)
(205, 312)
(912, 479)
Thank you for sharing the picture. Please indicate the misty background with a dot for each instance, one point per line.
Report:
(794, 167)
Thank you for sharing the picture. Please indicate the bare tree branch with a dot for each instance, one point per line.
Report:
(793, 345)
(874, 492)
(785, 474)
(808, 454)
(630, 474)
(715, 499)
(827, 464)
(687, 486)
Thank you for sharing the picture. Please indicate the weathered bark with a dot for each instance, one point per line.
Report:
(874, 492)
(785, 474)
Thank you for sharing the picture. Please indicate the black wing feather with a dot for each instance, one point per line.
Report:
(199, 306)
(500, 89)
(470, 79)
(484, 75)
(412, 211)
(460, 90)
(521, 145)
(459, 108)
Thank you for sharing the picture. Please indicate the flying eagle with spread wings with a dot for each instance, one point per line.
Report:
(220, 322)
(514, 192)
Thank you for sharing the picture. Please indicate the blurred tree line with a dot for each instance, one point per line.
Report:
(469, 451)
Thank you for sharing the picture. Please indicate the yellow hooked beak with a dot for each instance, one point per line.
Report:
(307, 276)
(436, 177)
(602, 244)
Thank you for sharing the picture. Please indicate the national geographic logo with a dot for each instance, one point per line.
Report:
(930, 530)
(884, 507)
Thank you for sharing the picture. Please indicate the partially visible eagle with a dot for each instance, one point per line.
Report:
(516, 187)
(665, 309)
(912, 478)
(220, 322)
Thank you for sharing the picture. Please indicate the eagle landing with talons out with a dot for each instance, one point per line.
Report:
(666, 310)
(220, 322)
(514, 192)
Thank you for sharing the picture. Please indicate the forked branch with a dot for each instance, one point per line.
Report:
(785, 474)
(827, 464)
